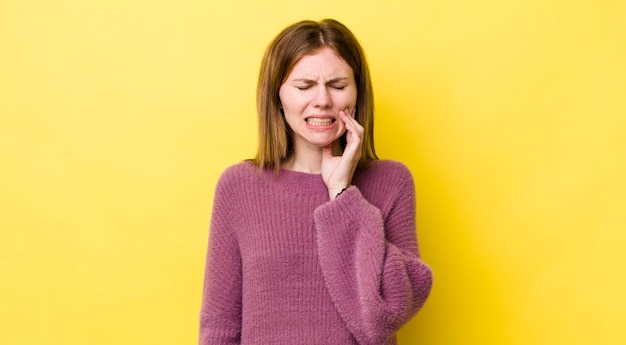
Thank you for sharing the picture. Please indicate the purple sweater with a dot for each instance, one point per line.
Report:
(286, 265)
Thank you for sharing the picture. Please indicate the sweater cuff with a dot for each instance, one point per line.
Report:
(349, 209)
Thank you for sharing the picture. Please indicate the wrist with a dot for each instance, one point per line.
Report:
(335, 192)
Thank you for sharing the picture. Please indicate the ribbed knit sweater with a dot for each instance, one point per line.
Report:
(286, 265)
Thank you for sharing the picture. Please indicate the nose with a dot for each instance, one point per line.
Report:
(322, 98)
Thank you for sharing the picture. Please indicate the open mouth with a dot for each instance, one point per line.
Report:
(316, 121)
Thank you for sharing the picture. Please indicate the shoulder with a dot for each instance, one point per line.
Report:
(384, 178)
(242, 170)
(386, 184)
(237, 175)
(387, 170)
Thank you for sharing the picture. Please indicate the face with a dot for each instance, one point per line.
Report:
(319, 86)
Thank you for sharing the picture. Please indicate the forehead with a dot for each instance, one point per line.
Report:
(324, 63)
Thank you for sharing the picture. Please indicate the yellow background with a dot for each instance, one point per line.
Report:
(117, 117)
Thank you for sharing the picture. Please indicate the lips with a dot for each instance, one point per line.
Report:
(320, 121)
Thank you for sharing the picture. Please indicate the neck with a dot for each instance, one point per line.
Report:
(308, 159)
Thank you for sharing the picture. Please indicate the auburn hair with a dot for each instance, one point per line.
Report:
(288, 47)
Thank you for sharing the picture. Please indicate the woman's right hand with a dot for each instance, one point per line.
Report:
(337, 171)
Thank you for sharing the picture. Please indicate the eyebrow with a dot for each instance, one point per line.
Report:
(334, 80)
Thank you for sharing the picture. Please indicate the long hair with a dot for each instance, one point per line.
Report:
(297, 40)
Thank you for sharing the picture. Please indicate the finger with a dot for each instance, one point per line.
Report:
(352, 118)
(347, 120)
(353, 127)
(348, 123)
(343, 114)
(348, 113)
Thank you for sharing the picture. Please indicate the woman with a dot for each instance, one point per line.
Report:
(313, 241)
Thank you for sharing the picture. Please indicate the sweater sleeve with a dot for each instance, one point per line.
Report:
(220, 313)
(371, 263)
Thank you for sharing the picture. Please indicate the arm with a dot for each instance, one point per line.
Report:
(371, 263)
(220, 314)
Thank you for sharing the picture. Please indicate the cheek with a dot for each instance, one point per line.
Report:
(290, 101)
(281, 98)
(349, 99)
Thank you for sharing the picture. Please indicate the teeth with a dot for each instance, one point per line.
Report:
(319, 122)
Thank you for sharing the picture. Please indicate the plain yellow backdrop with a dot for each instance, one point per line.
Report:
(117, 117)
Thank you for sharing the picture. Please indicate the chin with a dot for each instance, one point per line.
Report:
(325, 143)
(322, 141)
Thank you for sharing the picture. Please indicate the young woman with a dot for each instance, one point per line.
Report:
(314, 240)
